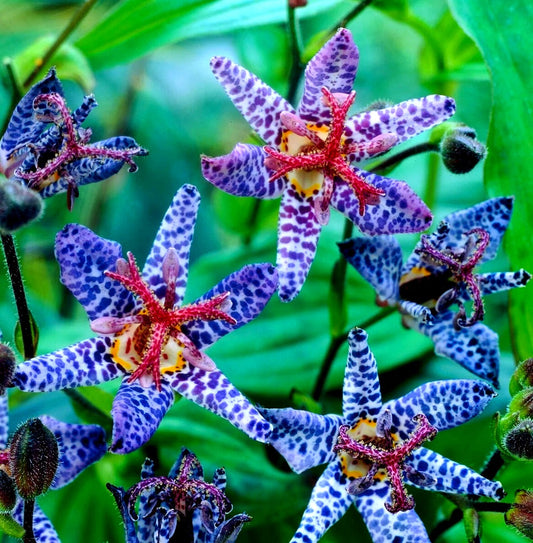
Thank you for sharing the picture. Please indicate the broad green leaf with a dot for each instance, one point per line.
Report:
(9, 526)
(70, 62)
(502, 31)
(137, 27)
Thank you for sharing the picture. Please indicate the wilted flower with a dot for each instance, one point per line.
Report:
(46, 148)
(440, 273)
(309, 152)
(147, 337)
(181, 507)
(373, 448)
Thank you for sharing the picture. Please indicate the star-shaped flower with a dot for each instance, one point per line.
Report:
(182, 506)
(147, 337)
(309, 153)
(373, 448)
(79, 447)
(440, 272)
(46, 148)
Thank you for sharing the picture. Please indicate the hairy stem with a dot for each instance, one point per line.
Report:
(29, 537)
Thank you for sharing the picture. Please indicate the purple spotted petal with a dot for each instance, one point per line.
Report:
(23, 128)
(83, 258)
(4, 421)
(385, 527)
(176, 231)
(448, 476)
(361, 395)
(405, 120)
(83, 364)
(259, 104)
(329, 501)
(212, 390)
(474, 347)
(333, 67)
(137, 413)
(499, 281)
(304, 439)
(250, 289)
(129, 526)
(91, 170)
(298, 233)
(399, 211)
(242, 173)
(446, 404)
(80, 445)
(379, 261)
(43, 529)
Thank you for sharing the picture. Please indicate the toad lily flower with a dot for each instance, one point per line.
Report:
(440, 272)
(79, 446)
(148, 338)
(309, 153)
(373, 448)
(182, 506)
(45, 147)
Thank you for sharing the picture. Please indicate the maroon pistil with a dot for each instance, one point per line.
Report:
(329, 156)
(75, 146)
(161, 321)
(461, 266)
(386, 454)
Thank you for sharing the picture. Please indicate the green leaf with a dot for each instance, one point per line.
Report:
(93, 405)
(19, 342)
(9, 526)
(70, 62)
(508, 167)
(137, 27)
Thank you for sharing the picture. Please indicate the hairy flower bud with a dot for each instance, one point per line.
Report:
(460, 149)
(520, 515)
(8, 493)
(522, 377)
(514, 435)
(33, 458)
(7, 366)
(19, 206)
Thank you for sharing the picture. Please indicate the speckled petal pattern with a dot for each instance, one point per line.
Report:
(250, 289)
(361, 395)
(129, 526)
(137, 412)
(446, 404)
(243, 173)
(304, 439)
(176, 231)
(4, 421)
(385, 527)
(499, 281)
(405, 120)
(43, 530)
(379, 261)
(259, 104)
(399, 211)
(83, 258)
(212, 390)
(80, 445)
(298, 232)
(83, 364)
(474, 347)
(333, 67)
(329, 501)
(449, 476)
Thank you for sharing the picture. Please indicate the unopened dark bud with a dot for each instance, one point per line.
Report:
(460, 149)
(8, 493)
(19, 205)
(7, 366)
(514, 436)
(520, 515)
(522, 377)
(33, 458)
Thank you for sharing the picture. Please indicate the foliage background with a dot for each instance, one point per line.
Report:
(148, 64)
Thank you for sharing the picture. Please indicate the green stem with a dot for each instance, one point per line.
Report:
(394, 160)
(77, 18)
(29, 506)
(16, 93)
(25, 320)
(295, 56)
(350, 16)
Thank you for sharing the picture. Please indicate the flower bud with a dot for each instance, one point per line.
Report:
(520, 515)
(7, 366)
(33, 458)
(19, 205)
(460, 149)
(514, 436)
(522, 377)
(8, 493)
